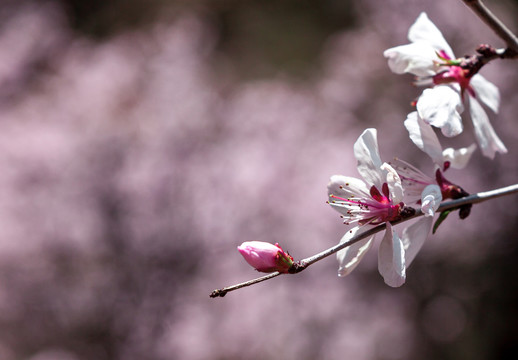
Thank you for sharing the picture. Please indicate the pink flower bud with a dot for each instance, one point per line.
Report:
(265, 257)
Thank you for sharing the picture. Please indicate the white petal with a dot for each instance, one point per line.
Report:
(441, 107)
(346, 187)
(486, 92)
(416, 58)
(487, 139)
(459, 158)
(413, 180)
(431, 198)
(369, 161)
(424, 137)
(425, 30)
(394, 183)
(391, 258)
(351, 256)
(414, 236)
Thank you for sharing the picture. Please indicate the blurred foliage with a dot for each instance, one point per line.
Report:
(257, 37)
(100, 19)
(265, 37)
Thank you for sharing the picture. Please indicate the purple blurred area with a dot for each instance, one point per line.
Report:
(142, 141)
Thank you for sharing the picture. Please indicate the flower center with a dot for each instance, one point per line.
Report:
(454, 73)
(390, 211)
(373, 210)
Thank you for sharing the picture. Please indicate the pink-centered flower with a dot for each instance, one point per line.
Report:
(266, 257)
(431, 60)
(374, 200)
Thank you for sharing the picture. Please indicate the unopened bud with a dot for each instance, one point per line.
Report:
(266, 257)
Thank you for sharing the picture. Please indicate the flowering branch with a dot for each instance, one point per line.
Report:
(495, 24)
(304, 263)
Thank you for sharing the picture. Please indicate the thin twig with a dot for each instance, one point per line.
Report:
(224, 291)
(304, 263)
(494, 23)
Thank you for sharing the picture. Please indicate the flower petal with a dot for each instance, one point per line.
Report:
(486, 91)
(431, 198)
(458, 158)
(416, 58)
(369, 161)
(487, 139)
(347, 186)
(424, 137)
(425, 30)
(391, 258)
(351, 256)
(414, 236)
(441, 107)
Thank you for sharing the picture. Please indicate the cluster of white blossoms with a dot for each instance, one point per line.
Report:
(392, 191)
(431, 60)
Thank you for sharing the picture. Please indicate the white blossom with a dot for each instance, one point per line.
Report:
(431, 60)
(375, 200)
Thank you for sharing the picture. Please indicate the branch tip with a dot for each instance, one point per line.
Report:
(217, 293)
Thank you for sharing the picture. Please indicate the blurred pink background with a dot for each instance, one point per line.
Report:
(142, 141)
